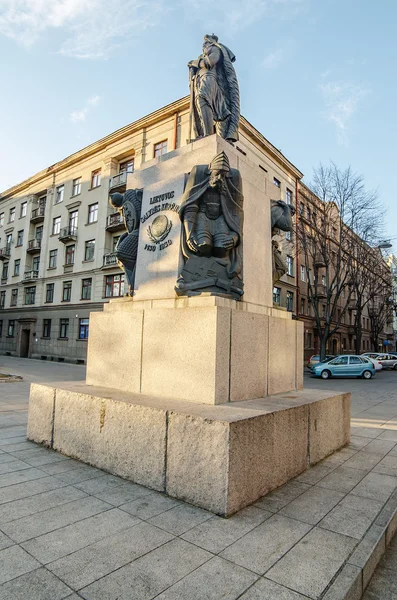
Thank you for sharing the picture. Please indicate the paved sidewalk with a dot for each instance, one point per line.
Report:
(68, 530)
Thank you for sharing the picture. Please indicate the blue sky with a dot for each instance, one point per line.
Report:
(316, 76)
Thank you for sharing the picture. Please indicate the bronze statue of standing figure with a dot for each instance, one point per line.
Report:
(214, 91)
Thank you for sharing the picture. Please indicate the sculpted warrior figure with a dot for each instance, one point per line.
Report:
(212, 217)
(281, 219)
(214, 91)
(129, 205)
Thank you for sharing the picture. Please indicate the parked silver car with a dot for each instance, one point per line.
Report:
(388, 361)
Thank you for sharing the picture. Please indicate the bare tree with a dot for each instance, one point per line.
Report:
(342, 216)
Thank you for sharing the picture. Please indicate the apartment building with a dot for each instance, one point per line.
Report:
(58, 233)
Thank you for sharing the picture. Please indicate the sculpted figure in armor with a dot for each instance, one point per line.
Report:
(129, 205)
(215, 96)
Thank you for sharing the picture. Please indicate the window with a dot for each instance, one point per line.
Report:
(355, 360)
(115, 242)
(53, 259)
(73, 220)
(309, 213)
(303, 302)
(290, 265)
(277, 295)
(1, 328)
(59, 196)
(323, 310)
(39, 232)
(30, 295)
(46, 328)
(76, 188)
(334, 232)
(93, 213)
(114, 285)
(20, 238)
(342, 360)
(310, 275)
(1, 219)
(4, 274)
(83, 329)
(96, 178)
(86, 286)
(290, 301)
(276, 182)
(288, 196)
(9, 241)
(160, 148)
(309, 309)
(36, 264)
(56, 225)
(49, 293)
(301, 209)
(309, 340)
(89, 250)
(17, 266)
(14, 297)
(288, 235)
(11, 328)
(11, 217)
(2, 299)
(63, 328)
(69, 254)
(323, 280)
(127, 166)
(24, 208)
(303, 273)
(67, 291)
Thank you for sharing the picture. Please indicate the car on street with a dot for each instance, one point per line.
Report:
(315, 359)
(388, 361)
(377, 363)
(345, 365)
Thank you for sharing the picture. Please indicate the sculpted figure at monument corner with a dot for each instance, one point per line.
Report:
(281, 220)
(212, 217)
(214, 91)
(129, 206)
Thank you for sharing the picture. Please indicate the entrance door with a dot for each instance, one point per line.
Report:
(25, 339)
(334, 347)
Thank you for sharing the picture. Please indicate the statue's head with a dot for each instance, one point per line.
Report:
(219, 167)
(116, 199)
(209, 39)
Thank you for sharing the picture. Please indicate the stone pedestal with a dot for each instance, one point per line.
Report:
(221, 458)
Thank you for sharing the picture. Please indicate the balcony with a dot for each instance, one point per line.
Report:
(5, 253)
(351, 330)
(115, 222)
(109, 260)
(319, 261)
(321, 291)
(37, 215)
(30, 276)
(118, 183)
(34, 246)
(68, 234)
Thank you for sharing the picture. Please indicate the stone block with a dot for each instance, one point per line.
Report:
(329, 426)
(41, 414)
(114, 349)
(299, 355)
(282, 363)
(248, 355)
(186, 354)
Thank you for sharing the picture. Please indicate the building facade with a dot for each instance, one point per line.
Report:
(58, 233)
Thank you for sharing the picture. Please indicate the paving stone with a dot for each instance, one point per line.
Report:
(365, 461)
(12, 446)
(12, 432)
(47, 458)
(97, 560)
(316, 473)
(264, 589)
(383, 586)
(6, 458)
(149, 575)
(311, 506)
(61, 467)
(61, 542)
(30, 488)
(149, 506)
(53, 518)
(282, 496)
(259, 549)
(357, 443)
(387, 466)
(376, 486)
(343, 479)
(310, 566)
(347, 586)
(38, 503)
(369, 552)
(15, 465)
(369, 432)
(216, 579)
(5, 541)
(353, 516)
(20, 476)
(379, 446)
(123, 494)
(389, 435)
(100, 484)
(15, 561)
(181, 518)
(217, 533)
(83, 473)
(36, 585)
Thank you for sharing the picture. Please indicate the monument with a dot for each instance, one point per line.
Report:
(185, 391)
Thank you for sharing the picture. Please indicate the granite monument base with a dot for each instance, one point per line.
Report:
(221, 458)
(204, 349)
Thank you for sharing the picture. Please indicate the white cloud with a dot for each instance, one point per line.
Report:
(90, 28)
(79, 116)
(273, 60)
(341, 101)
